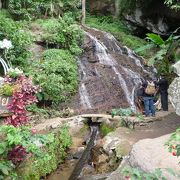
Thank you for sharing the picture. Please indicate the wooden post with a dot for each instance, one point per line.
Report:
(83, 12)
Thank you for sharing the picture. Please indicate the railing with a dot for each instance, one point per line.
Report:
(4, 65)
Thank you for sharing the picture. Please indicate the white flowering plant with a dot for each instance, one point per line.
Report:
(6, 44)
(14, 72)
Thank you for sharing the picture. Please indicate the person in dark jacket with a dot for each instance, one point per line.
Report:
(148, 99)
(163, 90)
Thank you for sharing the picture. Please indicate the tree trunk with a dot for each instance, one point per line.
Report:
(0, 4)
(83, 12)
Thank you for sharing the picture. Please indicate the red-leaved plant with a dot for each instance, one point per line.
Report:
(24, 96)
(17, 154)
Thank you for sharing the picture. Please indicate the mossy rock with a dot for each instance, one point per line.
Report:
(122, 149)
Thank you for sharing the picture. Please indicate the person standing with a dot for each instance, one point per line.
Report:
(148, 97)
(163, 90)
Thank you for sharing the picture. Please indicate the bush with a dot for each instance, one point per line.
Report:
(30, 9)
(56, 74)
(62, 33)
(21, 40)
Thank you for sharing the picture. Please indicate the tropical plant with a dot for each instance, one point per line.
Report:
(166, 53)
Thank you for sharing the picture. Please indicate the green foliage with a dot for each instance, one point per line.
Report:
(7, 170)
(56, 74)
(30, 9)
(105, 129)
(62, 33)
(126, 6)
(13, 136)
(166, 53)
(37, 167)
(173, 4)
(120, 31)
(138, 174)
(7, 90)
(35, 109)
(20, 38)
(122, 112)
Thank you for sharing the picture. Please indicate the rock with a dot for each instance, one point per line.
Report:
(174, 89)
(176, 68)
(150, 154)
(110, 143)
(174, 94)
(122, 149)
(76, 124)
(117, 141)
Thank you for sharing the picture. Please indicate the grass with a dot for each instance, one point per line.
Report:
(120, 31)
(105, 129)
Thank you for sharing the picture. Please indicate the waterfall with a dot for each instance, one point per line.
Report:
(84, 97)
(107, 59)
(109, 74)
(101, 52)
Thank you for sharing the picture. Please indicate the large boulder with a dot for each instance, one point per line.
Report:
(174, 89)
(174, 94)
(150, 154)
(176, 68)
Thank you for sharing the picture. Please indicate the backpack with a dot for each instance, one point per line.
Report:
(150, 89)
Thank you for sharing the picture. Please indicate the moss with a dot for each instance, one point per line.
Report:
(122, 149)
(105, 129)
(53, 154)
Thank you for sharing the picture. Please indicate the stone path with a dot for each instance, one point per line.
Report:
(57, 122)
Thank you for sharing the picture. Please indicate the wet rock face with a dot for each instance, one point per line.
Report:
(151, 16)
(174, 89)
(109, 74)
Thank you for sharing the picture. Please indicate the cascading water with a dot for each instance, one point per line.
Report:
(109, 73)
(82, 89)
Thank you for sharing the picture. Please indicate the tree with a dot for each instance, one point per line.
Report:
(83, 12)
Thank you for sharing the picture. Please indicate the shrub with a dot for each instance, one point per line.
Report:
(29, 9)
(62, 33)
(20, 38)
(56, 74)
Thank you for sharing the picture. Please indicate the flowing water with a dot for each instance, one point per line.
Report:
(85, 156)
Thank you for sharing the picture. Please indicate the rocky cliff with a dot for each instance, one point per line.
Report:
(151, 15)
